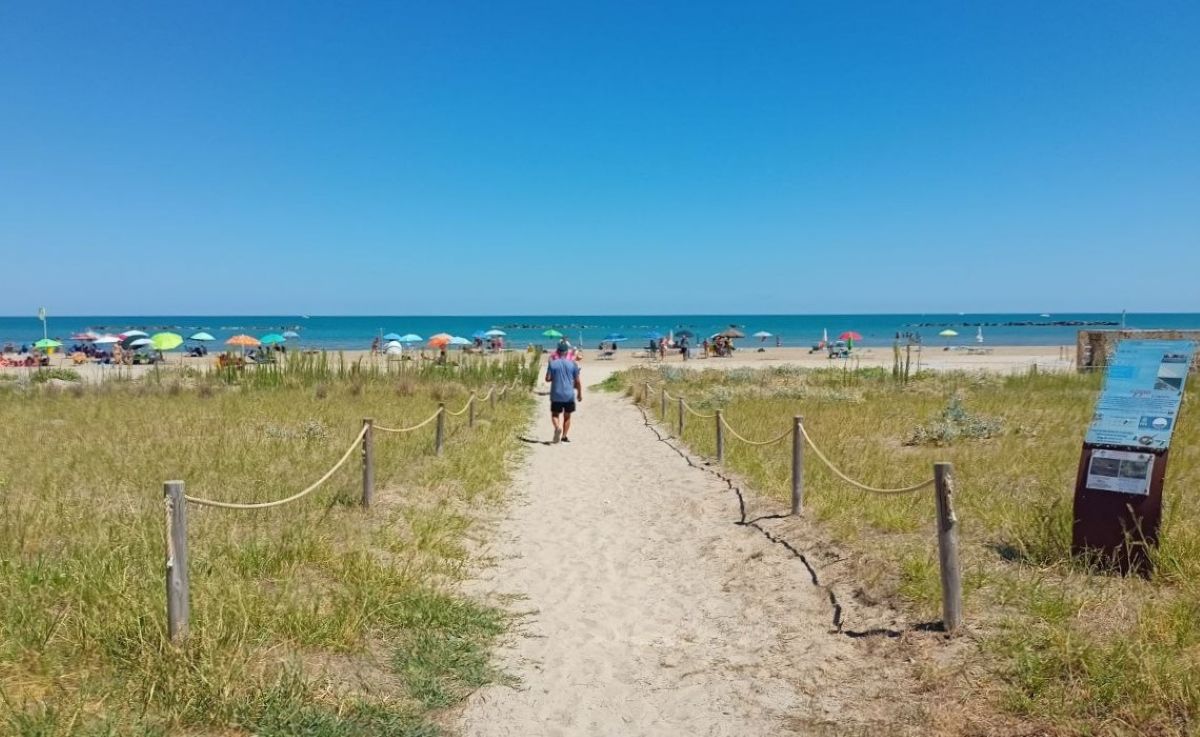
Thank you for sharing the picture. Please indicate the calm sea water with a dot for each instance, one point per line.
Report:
(353, 332)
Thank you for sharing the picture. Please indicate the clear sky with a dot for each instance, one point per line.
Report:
(598, 157)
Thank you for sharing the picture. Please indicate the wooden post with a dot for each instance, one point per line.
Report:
(178, 607)
(797, 464)
(720, 438)
(663, 405)
(947, 526)
(680, 403)
(368, 459)
(440, 438)
(471, 411)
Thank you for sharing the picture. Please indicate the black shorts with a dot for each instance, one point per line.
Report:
(557, 408)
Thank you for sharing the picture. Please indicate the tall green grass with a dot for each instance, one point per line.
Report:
(1080, 650)
(316, 618)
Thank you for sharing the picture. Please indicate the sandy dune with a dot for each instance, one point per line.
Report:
(650, 611)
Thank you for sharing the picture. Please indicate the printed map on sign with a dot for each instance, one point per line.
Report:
(1142, 390)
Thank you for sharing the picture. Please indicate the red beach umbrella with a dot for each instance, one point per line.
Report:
(849, 335)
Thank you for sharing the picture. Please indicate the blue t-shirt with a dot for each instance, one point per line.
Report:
(562, 373)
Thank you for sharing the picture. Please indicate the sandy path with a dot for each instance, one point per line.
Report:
(649, 611)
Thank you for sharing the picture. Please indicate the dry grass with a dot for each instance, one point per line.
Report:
(316, 618)
(1074, 650)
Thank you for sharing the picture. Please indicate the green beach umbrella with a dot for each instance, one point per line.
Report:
(166, 341)
(272, 339)
(552, 333)
(47, 343)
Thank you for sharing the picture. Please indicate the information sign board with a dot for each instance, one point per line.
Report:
(1125, 471)
(1143, 386)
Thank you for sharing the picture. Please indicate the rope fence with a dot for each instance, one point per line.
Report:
(178, 598)
(942, 481)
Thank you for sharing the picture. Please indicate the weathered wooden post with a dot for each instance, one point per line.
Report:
(368, 460)
(178, 606)
(947, 526)
(440, 437)
(797, 464)
(471, 410)
(680, 403)
(720, 438)
(663, 405)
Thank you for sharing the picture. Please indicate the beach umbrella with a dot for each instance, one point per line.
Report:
(459, 340)
(202, 336)
(87, 336)
(731, 332)
(107, 340)
(653, 335)
(493, 333)
(615, 338)
(850, 336)
(133, 334)
(552, 333)
(440, 340)
(763, 335)
(289, 334)
(391, 336)
(45, 343)
(272, 339)
(411, 338)
(685, 334)
(479, 335)
(243, 341)
(141, 343)
(948, 333)
(166, 341)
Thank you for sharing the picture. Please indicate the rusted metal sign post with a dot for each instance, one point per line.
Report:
(1118, 488)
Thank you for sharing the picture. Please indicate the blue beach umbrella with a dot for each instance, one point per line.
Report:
(614, 338)
(201, 336)
(272, 339)
(289, 334)
(391, 336)
(458, 340)
(653, 335)
(479, 335)
(410, 338)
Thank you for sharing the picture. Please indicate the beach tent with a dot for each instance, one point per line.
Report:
(394, 344)
(394, 349)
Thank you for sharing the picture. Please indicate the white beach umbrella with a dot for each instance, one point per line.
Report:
(495, 333)
(106, 340)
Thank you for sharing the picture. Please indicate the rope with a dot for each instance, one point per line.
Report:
(852, 482)
(464, 409)
(417, 426)
(747, 441)
(694, 413)
(280, 502)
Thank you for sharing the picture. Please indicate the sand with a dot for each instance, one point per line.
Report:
(646, 609)
(1001, 359)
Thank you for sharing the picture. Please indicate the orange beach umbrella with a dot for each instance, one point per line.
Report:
(441, 339)
(244, 341)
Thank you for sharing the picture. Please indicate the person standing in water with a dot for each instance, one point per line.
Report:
(562, 374)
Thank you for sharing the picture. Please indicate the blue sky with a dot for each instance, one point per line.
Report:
(598, 157)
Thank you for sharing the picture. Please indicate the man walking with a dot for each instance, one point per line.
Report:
(565, 389)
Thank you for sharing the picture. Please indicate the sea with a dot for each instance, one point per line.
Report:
(350, 332)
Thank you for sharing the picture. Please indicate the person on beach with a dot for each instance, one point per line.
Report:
(562, 374)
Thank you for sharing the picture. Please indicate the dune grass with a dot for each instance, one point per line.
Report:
(1076, 650)
(316, 618)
